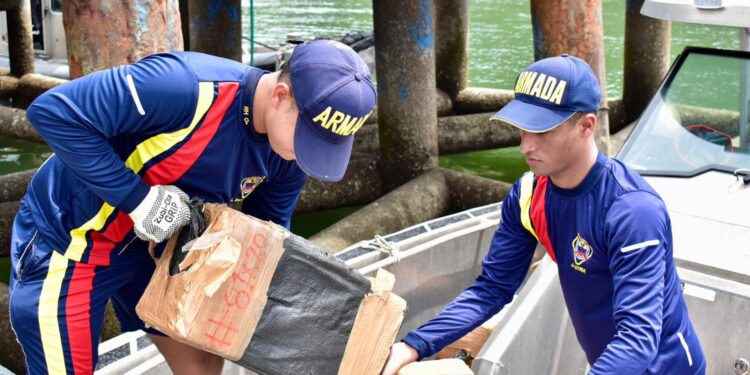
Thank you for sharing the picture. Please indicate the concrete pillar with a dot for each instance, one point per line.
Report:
(13, 185)
(405, 61)
(20, 40)
(216, 28)
(476, 99)
(647, 58)
(14, 124)
(107, 33)
(421, 199)
(468, 191)
(574, 27)
(360, 185)
(474, 132)
(30, 86)
(452, 45)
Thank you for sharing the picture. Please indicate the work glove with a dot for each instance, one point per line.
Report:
(162, 213)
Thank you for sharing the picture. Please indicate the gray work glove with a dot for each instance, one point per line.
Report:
(162, 213)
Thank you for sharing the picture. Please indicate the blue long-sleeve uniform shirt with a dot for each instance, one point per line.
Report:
(611, 238)
(182, 119)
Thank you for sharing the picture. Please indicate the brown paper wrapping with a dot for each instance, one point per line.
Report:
(216, 303)
(378, 320)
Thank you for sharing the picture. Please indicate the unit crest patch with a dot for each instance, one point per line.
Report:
(249, 184)
(582, 252)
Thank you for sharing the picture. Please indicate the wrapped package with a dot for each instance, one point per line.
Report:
(252, 292)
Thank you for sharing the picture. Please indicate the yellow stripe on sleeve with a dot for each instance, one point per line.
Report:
(527, 189)
(140, 156)
(49, 326)
(162, 142)
(78, 236)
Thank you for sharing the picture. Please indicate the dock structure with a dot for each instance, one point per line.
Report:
(422, 46)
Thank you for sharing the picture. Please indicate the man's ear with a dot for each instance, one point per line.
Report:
(281, 93)
(587, 124)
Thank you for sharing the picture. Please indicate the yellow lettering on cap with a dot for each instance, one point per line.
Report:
(359, 124)
(335, 121)
(557, 96)
(525, 86)
(537, 89)
(323, 117)
(519, 82)
(347, 124)
(549, 87)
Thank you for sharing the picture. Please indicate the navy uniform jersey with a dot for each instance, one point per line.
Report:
(182, 119)
(612, 240)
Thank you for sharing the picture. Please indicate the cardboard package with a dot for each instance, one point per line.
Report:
(472, 342)
(378, 320)
(218, 301)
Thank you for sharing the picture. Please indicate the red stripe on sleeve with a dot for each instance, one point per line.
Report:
(173, 167)
(539, 215)
(166, 172)
(77, 318)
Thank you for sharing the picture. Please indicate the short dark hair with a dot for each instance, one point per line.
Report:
(285, 75)
(573, 119)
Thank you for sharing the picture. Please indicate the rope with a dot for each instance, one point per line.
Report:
(384, 246)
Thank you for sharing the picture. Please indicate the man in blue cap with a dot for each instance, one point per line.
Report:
(131, 144)
(604, 226)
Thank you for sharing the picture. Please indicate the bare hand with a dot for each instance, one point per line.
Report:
(401, 355)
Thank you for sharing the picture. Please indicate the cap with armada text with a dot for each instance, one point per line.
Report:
(549, 91)
(335, 96)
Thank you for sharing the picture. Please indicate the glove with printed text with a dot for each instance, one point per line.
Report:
(162, 213)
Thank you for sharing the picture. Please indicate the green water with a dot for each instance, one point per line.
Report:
(503, 164)
(500, 38)
(16, 156)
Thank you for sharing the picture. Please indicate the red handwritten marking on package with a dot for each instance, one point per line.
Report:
(240, 289)
(218, 325)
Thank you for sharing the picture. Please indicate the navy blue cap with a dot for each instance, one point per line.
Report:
(334, 95)
(549, 91)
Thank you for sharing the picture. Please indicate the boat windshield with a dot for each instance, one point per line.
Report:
(698, 120)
